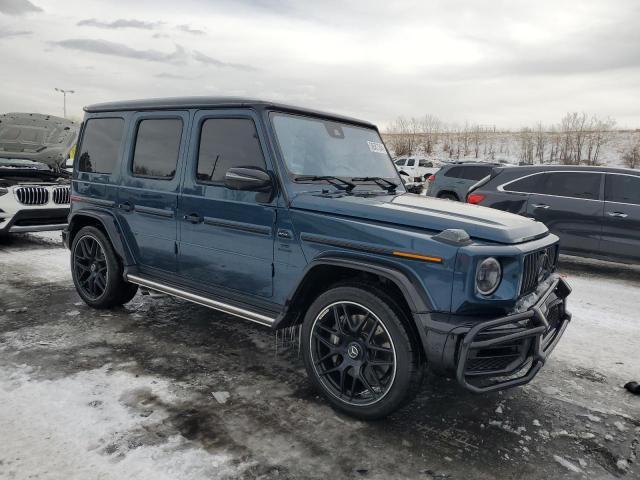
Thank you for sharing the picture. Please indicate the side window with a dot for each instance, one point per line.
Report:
(475, 172)
(455, 172)
(227, 143)
(401, 163)
(424, 163)
(101, 142)
(411, 162)
(572, 184)
(622, 189)
(157, 148)
(530, 184)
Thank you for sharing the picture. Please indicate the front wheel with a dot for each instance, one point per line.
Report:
(358, 352)
(97, 270)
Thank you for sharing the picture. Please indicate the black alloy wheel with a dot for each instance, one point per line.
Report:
(353, 353)
(360, 350)
(97, 271)
(90, 265)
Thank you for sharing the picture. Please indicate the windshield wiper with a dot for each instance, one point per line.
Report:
(335, 181)
(387, 185)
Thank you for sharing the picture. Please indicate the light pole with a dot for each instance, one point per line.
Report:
(64, 99)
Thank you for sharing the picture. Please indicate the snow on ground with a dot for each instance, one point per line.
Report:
(604, 332)
(74, 427)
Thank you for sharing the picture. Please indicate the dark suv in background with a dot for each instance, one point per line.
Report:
(594, 210)
(453, 181)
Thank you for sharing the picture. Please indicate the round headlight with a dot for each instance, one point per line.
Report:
(488, 276)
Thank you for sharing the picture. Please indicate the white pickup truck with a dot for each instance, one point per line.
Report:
(418, 169)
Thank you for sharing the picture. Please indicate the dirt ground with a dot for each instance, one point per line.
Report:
(165, 389)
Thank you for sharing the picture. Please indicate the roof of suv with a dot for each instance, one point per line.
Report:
(213, 102)
(578, 168)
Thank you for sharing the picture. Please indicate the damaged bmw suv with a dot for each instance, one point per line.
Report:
(34, 187)
(297, 219)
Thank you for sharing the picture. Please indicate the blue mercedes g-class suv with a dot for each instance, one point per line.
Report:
(290, 217)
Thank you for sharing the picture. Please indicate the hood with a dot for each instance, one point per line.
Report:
(33, 136)
(429, 213)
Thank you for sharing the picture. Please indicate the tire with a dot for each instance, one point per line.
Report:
(97, 270)
(449, 196)
(342, 363)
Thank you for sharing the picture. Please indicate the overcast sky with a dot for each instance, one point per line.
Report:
(508, 63)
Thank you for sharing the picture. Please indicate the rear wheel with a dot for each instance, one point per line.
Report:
(448, 196)
(97, 270)
(358, 352)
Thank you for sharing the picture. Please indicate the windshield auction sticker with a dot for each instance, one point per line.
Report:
(376, 147)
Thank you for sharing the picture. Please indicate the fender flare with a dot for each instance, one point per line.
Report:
(415, 295)
(111, 227)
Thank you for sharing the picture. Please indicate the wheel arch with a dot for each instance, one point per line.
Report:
(442, 193)
(331, 269)
(106, 222)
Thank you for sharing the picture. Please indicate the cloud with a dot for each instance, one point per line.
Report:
(120, 23)
(13, 33)
(105, 47)
(171, 76)
(189, 29)
(18, 7)
(207, 60)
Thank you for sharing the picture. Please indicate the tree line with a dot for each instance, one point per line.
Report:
(578, 139)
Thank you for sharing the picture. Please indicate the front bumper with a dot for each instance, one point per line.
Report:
(35, 220)
(500, 353)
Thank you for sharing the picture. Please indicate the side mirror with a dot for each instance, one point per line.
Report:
(249, 179)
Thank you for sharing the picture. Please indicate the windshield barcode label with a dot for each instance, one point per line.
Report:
(376, 147)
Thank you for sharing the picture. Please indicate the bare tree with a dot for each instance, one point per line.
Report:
(631, 156)
(527, 145)
(541, 142)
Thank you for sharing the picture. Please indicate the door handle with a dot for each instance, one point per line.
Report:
(126, 206)
(617, 214)
(193, 218)
(540, 205)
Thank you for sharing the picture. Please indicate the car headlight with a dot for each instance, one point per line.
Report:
(488, 276)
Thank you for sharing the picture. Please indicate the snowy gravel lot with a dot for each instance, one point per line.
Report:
(163, 389)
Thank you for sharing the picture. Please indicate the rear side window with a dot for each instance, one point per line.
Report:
(572, 184)
(469, 172)
(157, 148)
(622, 189)
(454, 172)
(424, 163)
(101, 142)
(227, 143)
(530, 184)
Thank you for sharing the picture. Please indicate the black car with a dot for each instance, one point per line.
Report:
(594, 210)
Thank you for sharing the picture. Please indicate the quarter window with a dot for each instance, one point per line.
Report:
(572, 184)
(227, 143)
(530, 184)
(157, 148)
(622, 189)
(100, 145)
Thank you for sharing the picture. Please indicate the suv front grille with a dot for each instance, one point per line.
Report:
(32, 195)
(537, 266)
(61, 195)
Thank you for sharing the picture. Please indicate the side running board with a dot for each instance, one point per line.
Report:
(207, 302)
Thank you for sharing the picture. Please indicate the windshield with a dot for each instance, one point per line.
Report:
(317, 147)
